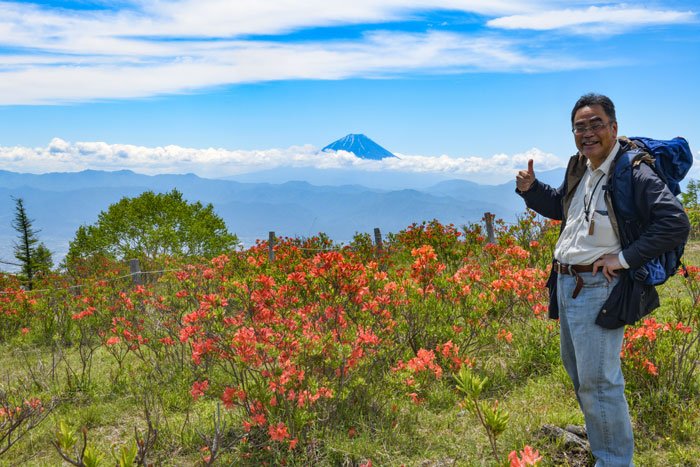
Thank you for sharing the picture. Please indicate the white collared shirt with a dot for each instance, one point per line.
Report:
(576, 245)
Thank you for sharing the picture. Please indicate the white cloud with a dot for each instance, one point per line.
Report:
(498, 163)
(167, 47)
(610, 19)
(62, 156)
(162, 47)
(212, 64)
(61, 29)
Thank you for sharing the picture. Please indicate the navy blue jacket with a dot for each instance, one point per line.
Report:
(664, 225)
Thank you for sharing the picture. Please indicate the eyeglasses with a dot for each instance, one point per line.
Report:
(595, 128)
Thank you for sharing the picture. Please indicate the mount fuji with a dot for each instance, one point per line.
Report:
(361, 146)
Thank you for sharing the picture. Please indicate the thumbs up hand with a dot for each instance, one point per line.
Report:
(525, 178)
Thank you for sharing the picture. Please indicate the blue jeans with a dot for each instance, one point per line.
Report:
(591, 356)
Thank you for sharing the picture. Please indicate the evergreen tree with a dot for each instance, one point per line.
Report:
(33, 256)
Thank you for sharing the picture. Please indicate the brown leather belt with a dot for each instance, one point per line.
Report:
(573, 270)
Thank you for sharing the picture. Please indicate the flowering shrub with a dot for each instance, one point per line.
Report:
(324, 337)
(527, 456)
(661, 354)
(16, 307)
(290, 345)
(446, 241)
(19, 415)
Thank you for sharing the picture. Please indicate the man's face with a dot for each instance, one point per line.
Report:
(595, 135)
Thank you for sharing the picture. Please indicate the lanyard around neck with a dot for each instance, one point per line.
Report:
(587, 207)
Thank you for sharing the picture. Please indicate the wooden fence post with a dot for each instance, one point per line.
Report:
(135, 270)
(271, 247)
(378, 241)
(488, 217)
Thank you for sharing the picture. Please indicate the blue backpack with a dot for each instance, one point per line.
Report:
(672, 161)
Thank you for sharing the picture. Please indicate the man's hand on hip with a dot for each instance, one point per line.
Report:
(609, 264)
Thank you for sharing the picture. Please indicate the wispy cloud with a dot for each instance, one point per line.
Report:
(146, 48)
(63, 156)
(611, 19)
(188, 66)
(62, 29)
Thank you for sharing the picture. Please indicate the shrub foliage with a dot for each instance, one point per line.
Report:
(245, 360)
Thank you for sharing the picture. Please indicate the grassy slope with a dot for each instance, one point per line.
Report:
(437, 432)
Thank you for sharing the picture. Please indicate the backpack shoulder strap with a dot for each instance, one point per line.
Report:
(622, 183)
(636, 153)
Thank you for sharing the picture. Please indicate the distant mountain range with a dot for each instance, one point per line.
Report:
(360, 145)
(60, 202)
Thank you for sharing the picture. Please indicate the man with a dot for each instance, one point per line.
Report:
(591, 291)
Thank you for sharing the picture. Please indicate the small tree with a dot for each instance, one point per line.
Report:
(33, 256)
(150, 226)
(690, 201)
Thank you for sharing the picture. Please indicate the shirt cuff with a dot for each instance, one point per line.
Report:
(621, 258)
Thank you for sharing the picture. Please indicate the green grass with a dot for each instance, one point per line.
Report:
(525, 376)
(430, 433)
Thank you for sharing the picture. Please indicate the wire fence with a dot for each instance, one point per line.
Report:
(137, 276)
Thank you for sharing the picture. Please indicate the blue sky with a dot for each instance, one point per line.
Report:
(217, 87)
